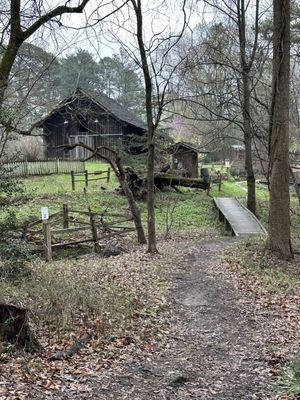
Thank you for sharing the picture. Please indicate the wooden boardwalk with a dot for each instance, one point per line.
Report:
(238, 218)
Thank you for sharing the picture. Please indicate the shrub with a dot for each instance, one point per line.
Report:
(14, 252)
(64, 295)
(28, 148)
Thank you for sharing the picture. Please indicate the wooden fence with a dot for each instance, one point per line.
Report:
(71, 227)
(99, 175)
(42, 167)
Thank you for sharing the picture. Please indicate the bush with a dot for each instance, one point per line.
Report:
(63, 295)
(14, 252)
(28, 148)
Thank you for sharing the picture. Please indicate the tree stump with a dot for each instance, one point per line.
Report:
(14, 328)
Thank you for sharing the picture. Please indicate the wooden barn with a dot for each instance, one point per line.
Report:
(93, 119)
(185, 158)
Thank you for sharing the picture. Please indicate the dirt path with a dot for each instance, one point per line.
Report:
(214, 347)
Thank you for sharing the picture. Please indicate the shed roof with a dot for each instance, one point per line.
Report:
(111, 106)
(189, 146)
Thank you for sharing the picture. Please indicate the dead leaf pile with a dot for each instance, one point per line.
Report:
(273, 286)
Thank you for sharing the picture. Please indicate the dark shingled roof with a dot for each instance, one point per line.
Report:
(111, 106)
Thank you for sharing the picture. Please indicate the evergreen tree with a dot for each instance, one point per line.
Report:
(79, 70)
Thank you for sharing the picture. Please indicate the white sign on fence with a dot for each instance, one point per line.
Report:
(44, 213)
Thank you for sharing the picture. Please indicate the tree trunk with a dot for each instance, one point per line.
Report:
(163, 180)
(115, 162)
(151, 195)
(151, 129)
(279, 239)
(251, 197)
(5, 67)
(246, 65)
(136, 214)
(14, 328)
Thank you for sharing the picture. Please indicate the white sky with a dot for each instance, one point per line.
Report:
(159, 19)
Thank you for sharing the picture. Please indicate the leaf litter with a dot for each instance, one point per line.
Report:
(175, 343)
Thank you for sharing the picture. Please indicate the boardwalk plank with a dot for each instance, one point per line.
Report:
(241, 220)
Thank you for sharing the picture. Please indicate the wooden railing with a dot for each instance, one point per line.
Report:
(70, 227)
(41, 167)
(86, 175)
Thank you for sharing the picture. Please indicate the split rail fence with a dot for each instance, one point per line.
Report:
(42, 167)
(96, 176)
(70, 227)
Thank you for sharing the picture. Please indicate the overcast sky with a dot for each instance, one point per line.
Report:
(160, 18)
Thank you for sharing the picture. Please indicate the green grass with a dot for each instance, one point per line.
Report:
(238, 189)
(214, 167)
(290, 378)
(190, 209)
(55, 190)
(57, 184)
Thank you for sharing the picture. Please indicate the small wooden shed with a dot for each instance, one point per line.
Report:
(185, 158)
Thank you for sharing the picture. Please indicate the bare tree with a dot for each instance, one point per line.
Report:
(150, 125)
(17, 34)
(279, 239)
(37, 20)
(235, 13)
(246, 66)
(112, 157)
(157, 78)
(146, 32)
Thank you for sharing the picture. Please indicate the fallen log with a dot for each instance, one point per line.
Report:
(82, 341)
(163, 180)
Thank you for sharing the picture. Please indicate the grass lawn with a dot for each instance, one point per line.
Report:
(187, 210)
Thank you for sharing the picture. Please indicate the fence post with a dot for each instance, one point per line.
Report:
(94, 232)
(86, 174)
(47, 241)
(92, 223)
(73, 180)
(65, 216)
(26, 168)
(108, 174)
(57, 165)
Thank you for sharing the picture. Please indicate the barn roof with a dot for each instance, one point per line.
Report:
(189, 146)
(111, 106)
